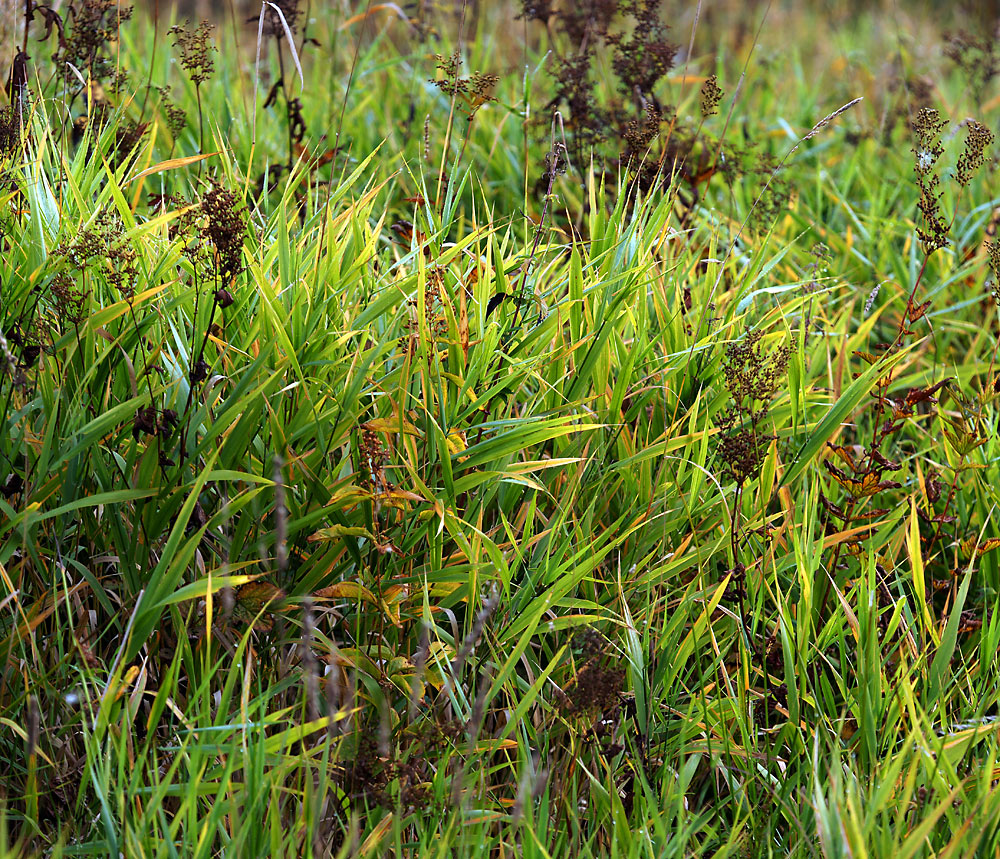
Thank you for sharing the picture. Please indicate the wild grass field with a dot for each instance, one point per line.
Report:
(499, 429)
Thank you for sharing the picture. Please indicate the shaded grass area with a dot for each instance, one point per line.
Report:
(454, 433)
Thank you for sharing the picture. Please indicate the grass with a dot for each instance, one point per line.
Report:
(402, 460)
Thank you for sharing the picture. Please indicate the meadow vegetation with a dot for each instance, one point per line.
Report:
(499, 430)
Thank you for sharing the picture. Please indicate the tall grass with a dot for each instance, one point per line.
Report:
(472, 471)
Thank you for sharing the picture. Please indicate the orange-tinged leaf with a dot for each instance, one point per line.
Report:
(396, 593)
(37, 614)
(371, 10)
(916, 311)
(392, 612)
(980, 548)
(257, 594)
(851, 535)
(371, 843)
(126, 681)
(405, 494)
(173, 164)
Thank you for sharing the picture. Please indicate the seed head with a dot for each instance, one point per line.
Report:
(711, 95)
(933, 233)
(196, 50)
(977, 139)
(752, 378)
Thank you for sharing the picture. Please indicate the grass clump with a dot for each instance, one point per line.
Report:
(595, 460)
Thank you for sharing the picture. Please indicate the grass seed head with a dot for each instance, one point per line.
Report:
(196, 50)
(86, 35)
(978, 139)
(711, 95)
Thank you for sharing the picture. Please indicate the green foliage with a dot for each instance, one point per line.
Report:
(403, 476)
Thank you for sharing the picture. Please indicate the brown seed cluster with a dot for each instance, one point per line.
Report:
(374, 456)
(645, 55)
(103, 248)
(976, 57)
(596, 687)
(176, 117)
(536, 10)
(225, 228)
(752, 376)
(640, 133)
(69, 297)
(933, 232)
(473, 92)
(85, 36)
(10, 132)
(977, 140)
(711, 95)
(633, 38)
(196, 50)
(273, 26)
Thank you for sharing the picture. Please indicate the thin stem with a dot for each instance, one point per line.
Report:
(201, 126)
(152, 59)
(288, 107)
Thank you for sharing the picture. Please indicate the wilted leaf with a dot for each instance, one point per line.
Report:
(173, 164)
(253, 598)
(830, 506)
(887, 464)
(922, 395)
(916, 311)
(972, 545)
(861, 487)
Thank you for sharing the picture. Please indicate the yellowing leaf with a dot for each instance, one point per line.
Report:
(392, 424)
(370, 845)
(348, 590)
(540, 464)
(126, 681)
(337, 532)
(457, 444)
(398, 497)
(348, 495)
